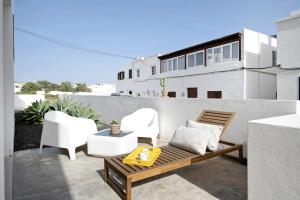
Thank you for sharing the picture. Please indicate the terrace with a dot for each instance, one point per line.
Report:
(53, 175)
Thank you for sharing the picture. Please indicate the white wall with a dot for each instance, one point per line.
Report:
(288, 57)
(288, 32)
(288, 84)
(6, 100)
(22, 101)
(258, 49)
(273, 158)
(260, 85)
(174, 112)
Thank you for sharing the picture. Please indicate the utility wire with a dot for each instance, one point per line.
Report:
(71, 45)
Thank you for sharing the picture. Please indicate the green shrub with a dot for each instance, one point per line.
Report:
(35, 113)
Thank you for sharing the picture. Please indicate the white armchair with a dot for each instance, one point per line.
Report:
(143, 122)
(64, 131)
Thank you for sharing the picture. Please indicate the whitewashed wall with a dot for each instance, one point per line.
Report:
(288, 31)
(174, 112)
(22, 101)
(273, 158)
(288, 57)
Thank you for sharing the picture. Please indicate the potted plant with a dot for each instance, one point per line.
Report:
(114, 127)
(163, 82)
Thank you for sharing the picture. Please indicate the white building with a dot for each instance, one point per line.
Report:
(6, 99)
(229, 67)
(288, 78)
(102, 89)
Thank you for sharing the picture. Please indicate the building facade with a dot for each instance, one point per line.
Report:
(229, 67)
(288, 77)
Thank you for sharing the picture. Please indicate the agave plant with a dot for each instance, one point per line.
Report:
(35, 113)
(62, 105)
(79, 110)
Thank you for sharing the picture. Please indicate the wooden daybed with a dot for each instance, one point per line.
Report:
(171, 158)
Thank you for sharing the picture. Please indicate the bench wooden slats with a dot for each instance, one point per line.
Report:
(171, 157)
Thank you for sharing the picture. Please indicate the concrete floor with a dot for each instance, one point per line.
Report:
(53, 176)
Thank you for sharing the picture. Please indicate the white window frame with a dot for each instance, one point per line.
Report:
(230, 55)
(222, 59)
(138, 73)
(195, 60)
(212, 54)
(178, 62)
(238, 49)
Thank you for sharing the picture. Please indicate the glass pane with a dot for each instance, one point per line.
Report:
(209, 56)
(169, 65)
(226, 52)
(235, 50)
(191, 60)
(181, 62)
(217, 55)
(164, 66)
(199, 59)
(175, 64)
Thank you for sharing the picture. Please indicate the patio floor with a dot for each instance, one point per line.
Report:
(53, 176)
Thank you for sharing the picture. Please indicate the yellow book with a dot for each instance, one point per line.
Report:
(134, 157)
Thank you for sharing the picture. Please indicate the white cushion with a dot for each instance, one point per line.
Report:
(190, 139)
(214, 132)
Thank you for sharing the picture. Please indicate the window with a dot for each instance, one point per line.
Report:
(138, 73)
(181, 62)
(172, 94)
(209, 56)
(191, 60)
(200, 58)
(175, 64)
(235, 50)
(121, 75)
(130, 74)
(274, 58)
(163, 67)
(170, 65)
(226, 52)
(192, 92)
(217, 55)
(222, 53)
(214, 94)
(153, 70)
(195, 59)
(130, 92)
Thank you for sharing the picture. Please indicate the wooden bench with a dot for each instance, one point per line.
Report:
(171, 158)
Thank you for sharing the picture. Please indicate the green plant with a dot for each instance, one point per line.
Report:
(66, 87)
(82, 87)
(79, 110)
(30, 88)
(163, 82)
(35, 113)
(114, 122)
(62, 105)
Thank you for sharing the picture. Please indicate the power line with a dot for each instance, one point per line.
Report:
(71, 45)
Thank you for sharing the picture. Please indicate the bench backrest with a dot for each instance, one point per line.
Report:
(217, 118)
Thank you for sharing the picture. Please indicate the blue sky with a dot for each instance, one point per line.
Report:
(132, 28)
